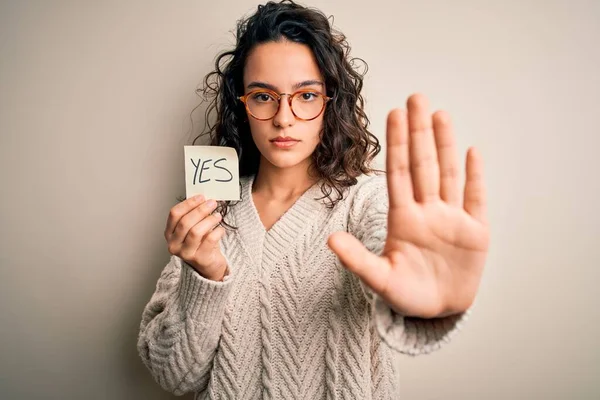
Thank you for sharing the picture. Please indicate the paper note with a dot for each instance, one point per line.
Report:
(211, 171)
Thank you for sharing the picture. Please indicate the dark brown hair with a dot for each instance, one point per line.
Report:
(346, 147)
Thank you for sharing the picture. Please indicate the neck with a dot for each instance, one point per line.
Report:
(283, 183)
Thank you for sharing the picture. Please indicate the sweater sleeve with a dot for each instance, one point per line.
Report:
(181, 326)
(408, 335)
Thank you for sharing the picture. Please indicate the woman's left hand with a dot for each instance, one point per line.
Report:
(436, 245)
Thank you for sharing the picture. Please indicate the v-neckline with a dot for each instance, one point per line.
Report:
(300, 202)
(264, 245)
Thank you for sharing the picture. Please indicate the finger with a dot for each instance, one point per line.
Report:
(211, 241)
(196, 235)
(447, 158)
(397, 159)
(371, 269)
(423, 157)
(192, 218)
(179, 211)
(206, 251)
(475, 199)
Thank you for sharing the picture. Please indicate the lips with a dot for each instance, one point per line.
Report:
(284, 139)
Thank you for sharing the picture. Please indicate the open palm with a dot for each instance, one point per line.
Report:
(436, 243)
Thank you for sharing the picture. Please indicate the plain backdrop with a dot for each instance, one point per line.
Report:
(96, 103)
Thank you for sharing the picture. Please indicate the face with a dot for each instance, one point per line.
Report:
(284, 67)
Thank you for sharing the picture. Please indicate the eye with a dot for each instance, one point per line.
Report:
(308, 96)
(262, 97)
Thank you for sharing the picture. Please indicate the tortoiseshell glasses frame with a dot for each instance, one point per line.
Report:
(278, 96)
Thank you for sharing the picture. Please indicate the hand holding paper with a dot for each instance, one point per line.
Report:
(192, 231)
(193, 234)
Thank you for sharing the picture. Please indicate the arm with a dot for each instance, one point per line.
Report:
(181, 327)
(409, 335)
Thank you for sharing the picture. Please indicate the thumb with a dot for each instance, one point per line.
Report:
(370, 268)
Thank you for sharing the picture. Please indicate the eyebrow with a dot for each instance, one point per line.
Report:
(297, 86)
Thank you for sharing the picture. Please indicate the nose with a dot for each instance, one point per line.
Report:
(285, 116)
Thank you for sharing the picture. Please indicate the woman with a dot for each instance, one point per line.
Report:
(327, 271)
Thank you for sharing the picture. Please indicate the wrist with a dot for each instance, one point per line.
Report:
(217, 277)
(225, 273)
(221, 276)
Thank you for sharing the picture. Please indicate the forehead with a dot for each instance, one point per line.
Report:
(281, 64)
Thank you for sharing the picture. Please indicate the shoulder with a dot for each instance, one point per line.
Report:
(369, 205)
(245, 187)
(246, 180)
(367, 198)
(369, 188)
(370, 184)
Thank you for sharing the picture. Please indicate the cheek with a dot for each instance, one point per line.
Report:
(258, 130)
(317, 130)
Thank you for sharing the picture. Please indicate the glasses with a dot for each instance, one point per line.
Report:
(263, 104)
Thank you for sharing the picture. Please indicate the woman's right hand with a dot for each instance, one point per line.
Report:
(190, 236)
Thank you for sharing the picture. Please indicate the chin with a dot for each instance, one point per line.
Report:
(286, 160)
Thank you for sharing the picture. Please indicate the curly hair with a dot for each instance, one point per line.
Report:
(346, 148)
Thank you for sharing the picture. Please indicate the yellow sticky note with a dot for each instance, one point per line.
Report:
(212, 171)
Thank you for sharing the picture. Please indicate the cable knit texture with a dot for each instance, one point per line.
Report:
(289, 322)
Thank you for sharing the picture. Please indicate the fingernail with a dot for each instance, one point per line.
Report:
(211, 203)
(199, 198)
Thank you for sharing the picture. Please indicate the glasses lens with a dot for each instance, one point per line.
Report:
(262, 105)
(307, 105)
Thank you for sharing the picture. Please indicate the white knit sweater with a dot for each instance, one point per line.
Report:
(290, 322)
